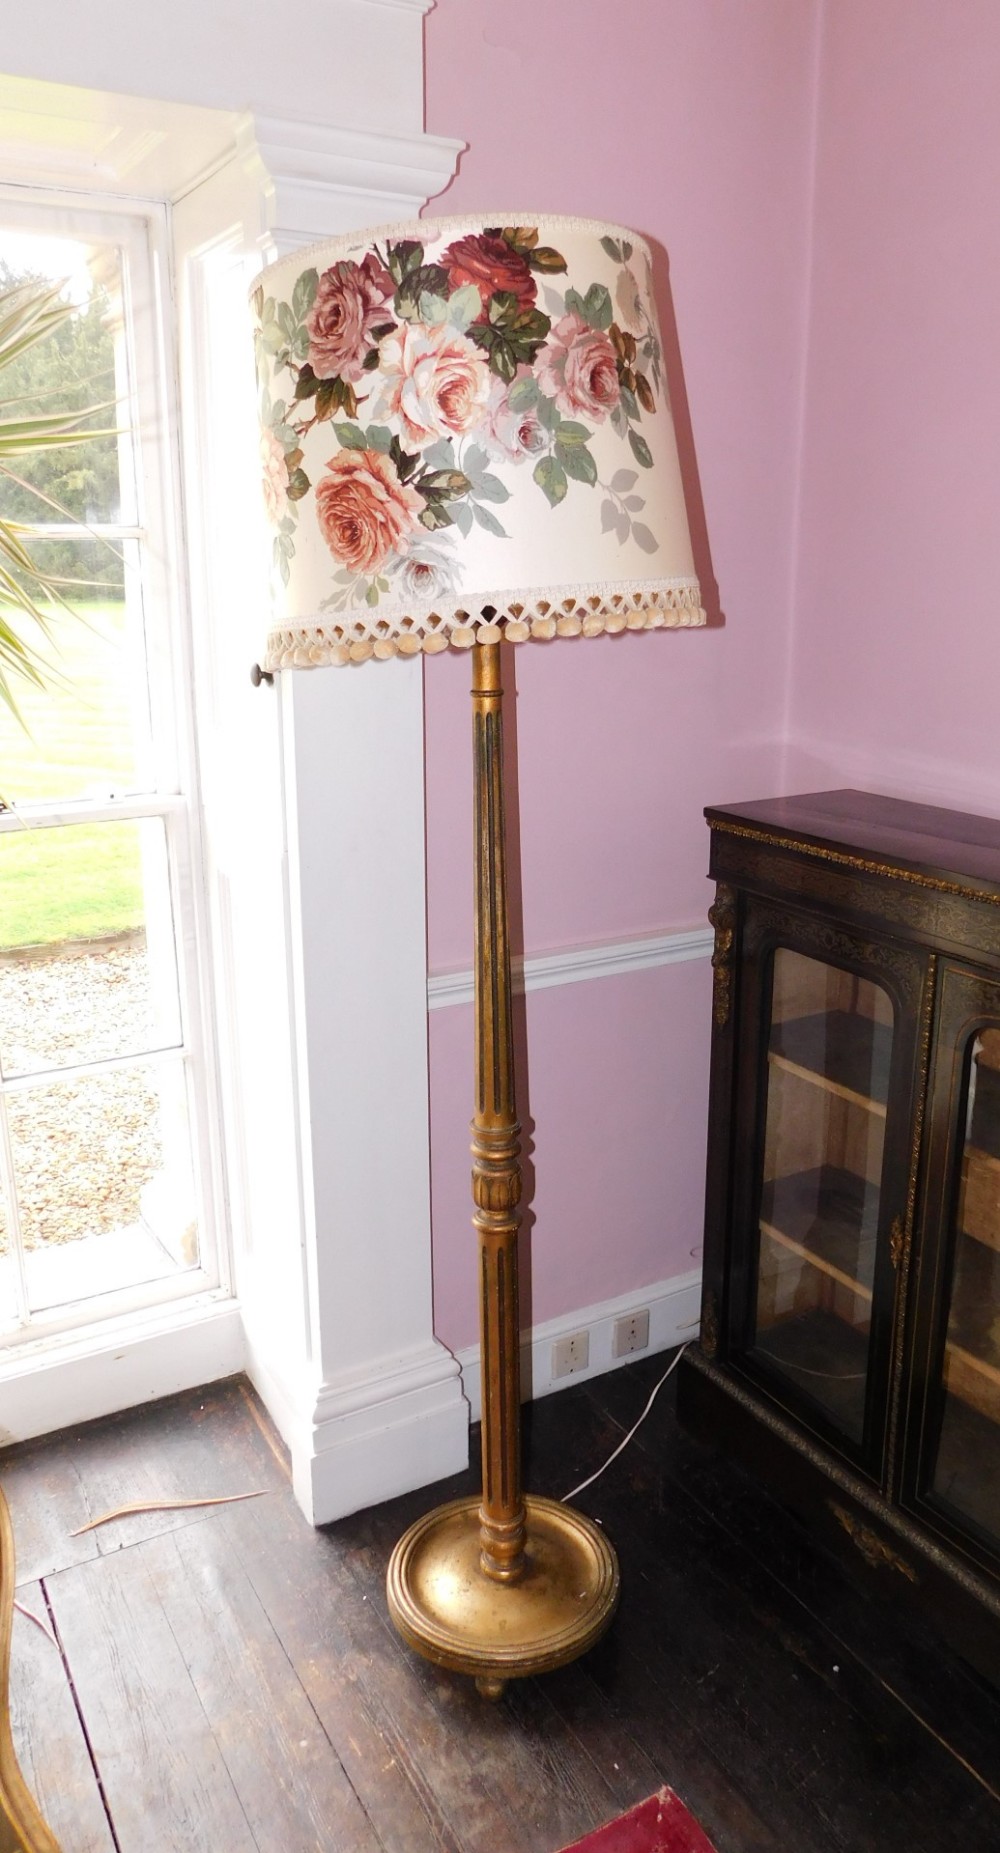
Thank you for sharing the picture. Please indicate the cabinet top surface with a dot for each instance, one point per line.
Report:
(925, 837)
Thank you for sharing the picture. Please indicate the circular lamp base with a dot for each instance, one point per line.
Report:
(446, 1607)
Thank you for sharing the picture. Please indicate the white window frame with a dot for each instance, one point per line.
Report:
(142, 228)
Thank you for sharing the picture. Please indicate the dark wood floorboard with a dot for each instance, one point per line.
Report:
(184, 1448)
(53, 1751)
(242, 1690)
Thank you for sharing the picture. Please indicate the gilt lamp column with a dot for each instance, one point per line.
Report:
(466, 438)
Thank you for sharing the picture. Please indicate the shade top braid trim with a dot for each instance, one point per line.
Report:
(328, 248)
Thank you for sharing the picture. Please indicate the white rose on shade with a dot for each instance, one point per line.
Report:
(433, 382)
(428, 571)
(517, 434)
(274, 474)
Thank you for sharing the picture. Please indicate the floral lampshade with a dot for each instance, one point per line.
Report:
(466, 432)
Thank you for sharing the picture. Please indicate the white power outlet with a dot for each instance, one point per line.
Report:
(630, 1333)
(570, 1354)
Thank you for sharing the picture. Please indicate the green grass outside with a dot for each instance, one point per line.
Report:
(79, 881)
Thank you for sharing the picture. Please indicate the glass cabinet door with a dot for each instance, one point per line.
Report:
(813, 1325)
(959, 1469)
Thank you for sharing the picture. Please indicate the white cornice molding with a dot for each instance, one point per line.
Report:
(320, 179)
(579, 965)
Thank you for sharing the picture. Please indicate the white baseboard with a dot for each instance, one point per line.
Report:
(357, 1441)
(579, 964)
(118, 1366)
(673, 1307)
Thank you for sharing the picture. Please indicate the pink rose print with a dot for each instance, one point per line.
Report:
(350, 301)
(364, 511)
(577, 368)
(434, 381)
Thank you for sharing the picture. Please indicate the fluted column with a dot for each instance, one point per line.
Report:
(496, 1172)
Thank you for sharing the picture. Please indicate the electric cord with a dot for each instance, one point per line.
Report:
(654, 1393)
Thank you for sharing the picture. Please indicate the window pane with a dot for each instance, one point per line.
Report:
(8, 1290)
(87, 960)
(104, 1181)
(79, 365)
(86, 735)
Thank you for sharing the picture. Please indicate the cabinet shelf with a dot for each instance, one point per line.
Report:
(829, 1217)
(825, 1360)
(972, 1347)
(847, 1054)
(980, 1197)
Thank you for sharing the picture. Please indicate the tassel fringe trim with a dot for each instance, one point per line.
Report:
(586, 614)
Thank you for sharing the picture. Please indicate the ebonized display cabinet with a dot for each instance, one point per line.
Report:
(850, 1335)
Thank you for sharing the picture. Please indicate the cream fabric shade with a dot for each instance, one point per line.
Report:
(467, 416)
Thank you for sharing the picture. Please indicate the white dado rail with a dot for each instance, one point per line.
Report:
(540, 971)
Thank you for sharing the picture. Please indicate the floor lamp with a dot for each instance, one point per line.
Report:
(466, 438)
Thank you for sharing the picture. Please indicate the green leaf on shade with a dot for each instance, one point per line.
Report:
(298, 485)
(403, 258)
(612, 248)
(304, 294)
(640, 450)
(433, 310)
(461, 514)
(464, 306)
(568, 431)
(489, 521)
(435, 515)
(379, 438)
(551, 478)
(425, 281)
(622, 480)
(577, 462)
(644, 538)
(595, 308)
(444, 482)
(350, 437)
(523, 395)
(475, 460)
(405, 461)
(438, 456)
(491, 489)
(548, 412)
(545, 259)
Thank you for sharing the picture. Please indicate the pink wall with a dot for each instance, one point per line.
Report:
(692, 120)
(897, 644)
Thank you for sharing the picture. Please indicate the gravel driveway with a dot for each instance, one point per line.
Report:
(83, 1148)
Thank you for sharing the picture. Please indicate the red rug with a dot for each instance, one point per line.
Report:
(660, 1825)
